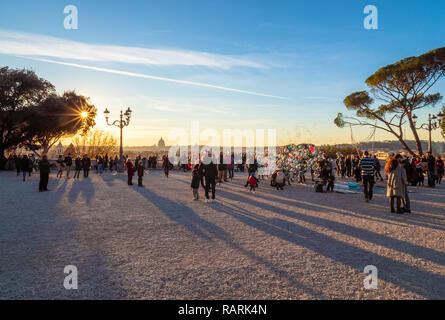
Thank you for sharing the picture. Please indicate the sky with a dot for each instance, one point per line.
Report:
(283, 65)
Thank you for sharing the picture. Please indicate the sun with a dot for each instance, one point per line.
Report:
(84, 114)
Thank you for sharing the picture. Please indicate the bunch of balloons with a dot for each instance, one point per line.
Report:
(299, 157)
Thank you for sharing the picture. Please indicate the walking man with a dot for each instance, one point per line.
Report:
(367, 167)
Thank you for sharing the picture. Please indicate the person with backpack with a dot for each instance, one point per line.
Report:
(367, 167)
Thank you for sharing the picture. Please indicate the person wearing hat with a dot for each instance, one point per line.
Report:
(253, 182)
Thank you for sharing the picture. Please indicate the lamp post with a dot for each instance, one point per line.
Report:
(121, 123)
(434, 122)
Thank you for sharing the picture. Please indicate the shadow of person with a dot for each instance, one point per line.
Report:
(202, 228)
(415, 280)
(85, 187)
(183, 215)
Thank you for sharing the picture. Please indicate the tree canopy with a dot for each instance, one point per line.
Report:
(19, 91)
(401, 89)
(57, 117)
(33, 115)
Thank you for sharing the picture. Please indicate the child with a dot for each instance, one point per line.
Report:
(280, 179)
(196, 179)
(253, 182)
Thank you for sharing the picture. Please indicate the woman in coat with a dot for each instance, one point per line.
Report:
(397, 181)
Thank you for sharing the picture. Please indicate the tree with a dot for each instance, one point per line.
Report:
(57, 117)
(442, 123)
(94, 142)
(331, 150)
(20, 90)
(402, 87)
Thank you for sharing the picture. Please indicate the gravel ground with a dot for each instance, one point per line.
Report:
(156, 243)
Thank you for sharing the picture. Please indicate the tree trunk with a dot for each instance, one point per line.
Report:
(416, 136)
(405, 146)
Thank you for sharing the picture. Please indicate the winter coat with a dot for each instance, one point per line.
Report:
(130, 168)
(78, 164)
(86, 163)
(24, 164)
(44, 166)
(279, 178)
(68, 161)
(440, 167)
(252, 181)
(140, 169)
(196, 179)
(396, 183)
(210, 171)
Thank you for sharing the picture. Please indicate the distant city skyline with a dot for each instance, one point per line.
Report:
(282, 65)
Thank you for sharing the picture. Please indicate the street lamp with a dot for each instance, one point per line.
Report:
(434, 122)
(121, 123)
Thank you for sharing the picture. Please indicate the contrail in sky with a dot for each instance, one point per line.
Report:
(147, 76)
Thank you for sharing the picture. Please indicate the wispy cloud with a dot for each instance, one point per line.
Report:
(147, 76)
(36, 45)
(63, 52)
(175, 106)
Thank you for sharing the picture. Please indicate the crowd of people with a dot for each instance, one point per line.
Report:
(400, 172)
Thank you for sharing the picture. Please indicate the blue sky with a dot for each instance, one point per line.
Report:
(312, 53)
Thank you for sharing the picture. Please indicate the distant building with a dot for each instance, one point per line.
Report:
(70, 150)
(161, 143)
